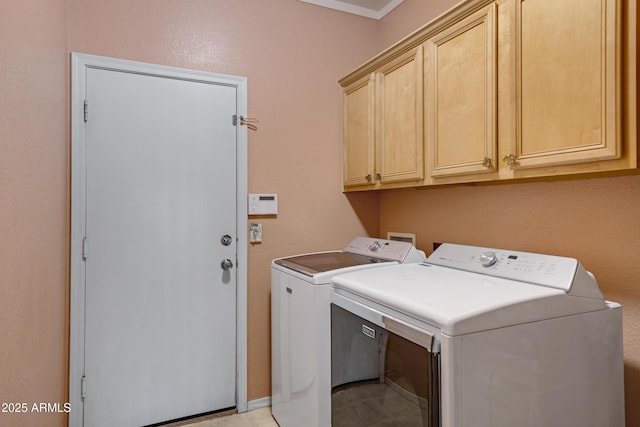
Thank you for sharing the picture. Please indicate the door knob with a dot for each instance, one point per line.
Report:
(226, 264)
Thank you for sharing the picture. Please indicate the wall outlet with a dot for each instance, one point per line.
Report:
(255, 233)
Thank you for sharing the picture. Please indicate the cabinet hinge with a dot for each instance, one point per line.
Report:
(86, 110)
(85, 248)
(83, 386)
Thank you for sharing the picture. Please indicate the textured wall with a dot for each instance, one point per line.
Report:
(594, 220)
(293, 53)
(408, 17)
(292, 63)
(34, 211)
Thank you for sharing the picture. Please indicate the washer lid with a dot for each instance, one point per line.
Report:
(360, 251)
(311, 264)
(458, 302)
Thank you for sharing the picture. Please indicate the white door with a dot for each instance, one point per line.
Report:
(160, 307)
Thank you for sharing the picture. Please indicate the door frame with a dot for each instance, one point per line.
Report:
(79, 64)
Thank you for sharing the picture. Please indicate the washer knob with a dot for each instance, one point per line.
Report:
(375, 246)
(487, 259)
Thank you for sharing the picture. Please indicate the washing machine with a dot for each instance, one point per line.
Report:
(477, 337)
(300, 324)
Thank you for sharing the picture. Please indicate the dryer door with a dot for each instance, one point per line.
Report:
(382, 375)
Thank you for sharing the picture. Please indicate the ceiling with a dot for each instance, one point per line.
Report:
(374, 9)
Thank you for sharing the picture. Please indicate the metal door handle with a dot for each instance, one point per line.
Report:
(226, 264)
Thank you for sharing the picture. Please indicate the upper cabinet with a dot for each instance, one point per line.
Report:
(383, 125)
(359, 120)
(461, 125)
(507, 89)
(566, 81)
(399, 125)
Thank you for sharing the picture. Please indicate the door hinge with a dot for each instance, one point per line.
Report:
(85, 248)
(83, 386)
(86, 110)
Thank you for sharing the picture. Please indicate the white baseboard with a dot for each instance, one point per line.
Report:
(259, 403)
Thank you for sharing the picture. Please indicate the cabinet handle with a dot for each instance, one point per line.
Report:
(368, 178)
(510, 159)
(379, 176)
(487, 162)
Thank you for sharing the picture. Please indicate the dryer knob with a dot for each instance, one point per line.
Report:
(487, 259)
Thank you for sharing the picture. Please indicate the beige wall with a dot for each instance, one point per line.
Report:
(293, 53)
(292, 63)
(594, 220)
(411, 15)
(34, 199)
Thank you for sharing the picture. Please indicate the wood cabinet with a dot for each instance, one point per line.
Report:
(513, 89)
(383, 125)
(554, 70)
(567, 82)
(399, 131)
(461, 125)
(359, 142)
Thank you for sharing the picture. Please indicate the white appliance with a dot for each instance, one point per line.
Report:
(479, 337)
(300, 324)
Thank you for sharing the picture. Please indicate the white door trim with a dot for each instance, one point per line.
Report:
(80, 62)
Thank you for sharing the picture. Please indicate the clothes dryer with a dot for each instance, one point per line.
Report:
(479, 337)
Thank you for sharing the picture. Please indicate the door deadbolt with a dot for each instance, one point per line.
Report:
(226, 240)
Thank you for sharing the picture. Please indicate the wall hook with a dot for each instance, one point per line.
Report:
(249, 122)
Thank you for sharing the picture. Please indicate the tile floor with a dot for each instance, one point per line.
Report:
(367, 405)
(256, 418)
(376, 405)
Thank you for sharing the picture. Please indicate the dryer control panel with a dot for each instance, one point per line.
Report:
(545, 270)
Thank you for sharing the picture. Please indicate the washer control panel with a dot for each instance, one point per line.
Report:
(546, 270)
(388, 250)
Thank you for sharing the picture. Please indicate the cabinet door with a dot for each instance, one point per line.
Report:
(461, 97)
(567, 82)
(399, 134)
(359, 154)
